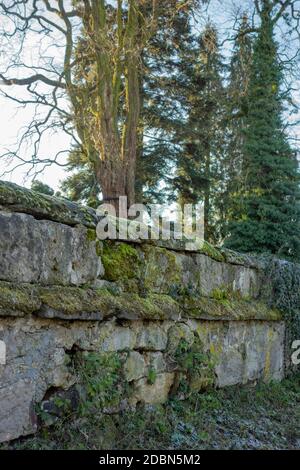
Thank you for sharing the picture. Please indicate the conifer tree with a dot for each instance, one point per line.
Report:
(236, 111)
(199, 165)
(266, 216)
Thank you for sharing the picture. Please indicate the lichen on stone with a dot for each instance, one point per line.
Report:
(18, 199)
(18, 300)
(121, 261)
(161, 271)
(228, 309)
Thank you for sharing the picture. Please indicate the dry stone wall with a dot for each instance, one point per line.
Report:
(159, 319)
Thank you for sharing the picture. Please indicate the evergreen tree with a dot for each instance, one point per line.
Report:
(236, 111)
(42, 188)
(81, 185)
(199, 174)
(266, 216)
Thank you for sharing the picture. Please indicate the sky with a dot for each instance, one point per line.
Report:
(13, 118)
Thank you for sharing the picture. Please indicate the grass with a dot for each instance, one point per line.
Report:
(260, 417)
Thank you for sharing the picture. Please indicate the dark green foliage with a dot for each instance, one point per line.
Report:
(42, 188)
(82, 184)
(234, 125)
(199, 174)
(266, 215)
(212, 134)
(262, 417)
(284, 294)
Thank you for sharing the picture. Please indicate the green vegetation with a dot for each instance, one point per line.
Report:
(195, 368)
(120, 260)
(101, 384)
(261, 417)
(265, 217)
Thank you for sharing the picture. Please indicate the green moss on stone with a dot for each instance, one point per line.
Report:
(18, 199)
(75, 300)
(153, 307)
(211, 251)
(228, 309)
(91, 234)
(18, 300)
(121, 261)
(162, 272)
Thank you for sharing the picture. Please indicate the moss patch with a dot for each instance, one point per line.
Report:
(121, 261)
(152, 307)
(225, 309)
(73, 300)
(91, 234)
(18, 301)
(20, 199)
(162, 272)
(211, 251)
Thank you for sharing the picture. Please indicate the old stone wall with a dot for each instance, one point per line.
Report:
(155, 318)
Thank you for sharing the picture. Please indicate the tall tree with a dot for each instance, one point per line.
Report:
(103, 91)
(234, 124)
(166, 60)
(266, 216)
(199, 171)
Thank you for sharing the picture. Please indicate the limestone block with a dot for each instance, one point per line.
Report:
(45, 252)
(155, 393)
(152, 336)
(134, 367)
(17, 417)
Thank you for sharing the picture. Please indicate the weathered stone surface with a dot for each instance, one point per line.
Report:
(152, 336)
(44, 252)
(75, 303)
(216, 275)
(116, 338)
(17, 199)
(243, 259)
(17, 415)
(134, 366)
(177, 333)
(206, 308)
(153, 303)
(38, 358)
(153, 393)
(243, 351)
(155, 361)
(18, 300)
(169, 272)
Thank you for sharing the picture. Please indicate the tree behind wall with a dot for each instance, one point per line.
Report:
(266, 214)
(199, 172)
(166, 62)
(234, 125)
(103, 92)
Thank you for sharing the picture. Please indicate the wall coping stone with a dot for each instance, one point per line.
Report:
(14, 198)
